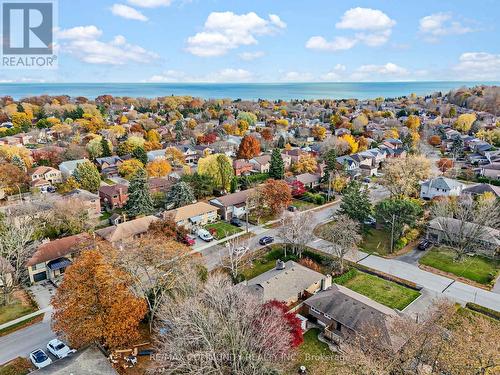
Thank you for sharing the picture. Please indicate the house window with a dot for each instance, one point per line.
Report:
(315, 310)
(338, 326)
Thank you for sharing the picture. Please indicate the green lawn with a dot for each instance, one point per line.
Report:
(14, 310)
(223, 229)
(18, 366)
(105, 216)
(383, 291)
(376, 241)
(314, 354)
(476, 268)
(303, 205)
(265, 262)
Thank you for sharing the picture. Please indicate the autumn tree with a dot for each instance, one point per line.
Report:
(249, 148)
(435, 140)
(12, 180)
(234, 256)
(296, 231)
(158, 168)
(219, 167)
(343, 235)
(402, 176)
(67, 218)
(464, 122)
(413, 123)
(175, 156)
(444, 164)
(351, 141)
(272, 198)
(95, 303)
(217, 327)
(277, 167)
(139, 197)
(87, 176)
(306, 164)
(318, 132)
(129, 168)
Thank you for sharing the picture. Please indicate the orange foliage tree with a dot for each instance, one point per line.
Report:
(274, 196)
(444, 164)
(158, 168)
(435, 140)
(249, 147)
(94, 303)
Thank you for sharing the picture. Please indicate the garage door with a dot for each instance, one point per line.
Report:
(40, 276)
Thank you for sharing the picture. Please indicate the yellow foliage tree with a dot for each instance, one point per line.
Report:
(319, 132)
(175, 156)
(158, 168)
(306, 164)
(464, 122)
(20, 119)
(392, 133)
(353, 144)
(117, 130)
(129, 167)
(413, 123)
(7, 152)
(123, 119)
(283, 122)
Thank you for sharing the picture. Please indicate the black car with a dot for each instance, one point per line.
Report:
(236, 222)
(424, 245)
(266, 240)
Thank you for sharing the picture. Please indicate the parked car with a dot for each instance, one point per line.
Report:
(59, 349)
(292, 208)
(205, 235)
(266, 240)
(240, 250)
(236, 222)
(424, 245)
(39, 358)
(188, 240)
(367, 180)
(370, 221)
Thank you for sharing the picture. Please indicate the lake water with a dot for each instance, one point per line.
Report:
(246, 91)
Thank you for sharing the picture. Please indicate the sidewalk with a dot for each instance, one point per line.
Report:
(47, 309)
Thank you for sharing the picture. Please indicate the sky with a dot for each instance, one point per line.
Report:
(272, 41)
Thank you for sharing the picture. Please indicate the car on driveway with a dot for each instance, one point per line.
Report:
(188, 240)
(370, 220)
(205, 235)
(59, 349)
(236, 222)
(424, 245)
(266, 240)
(39, 358)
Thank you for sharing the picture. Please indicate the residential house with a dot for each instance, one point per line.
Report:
(109, 165)
(310, 180)
(287, 161)
(343, 314)
(193, 215)
(491, 170)
(160, 184)
(232, 205)
(349, 165)
(156, 154)
(123, 233)
(481, 189)
(49, 174)
(51, 258)
(440, 187)
(113, 196)
(261, 164)
(67, 168)
(483, 239)
(190, 154)
(242, 167)
(90, 200)
(288, 282)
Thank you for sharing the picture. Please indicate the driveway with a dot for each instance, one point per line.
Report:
(412, 257)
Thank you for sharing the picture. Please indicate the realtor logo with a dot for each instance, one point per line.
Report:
(27, 34)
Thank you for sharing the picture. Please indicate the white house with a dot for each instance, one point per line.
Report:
(67, 168)
(440, 187)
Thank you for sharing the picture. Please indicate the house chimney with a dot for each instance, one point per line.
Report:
(326, 282)
(280, 265)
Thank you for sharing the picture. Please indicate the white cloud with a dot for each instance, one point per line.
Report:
(150, 3)
(374, 29)
(365, 19)
(224, 31)
(248, 56)
(441, 24)
(372, 72)
(79, 32)
(478, 65)
(297, 77)
(224, 75)
(122, 10)
(334, 74)
(339, 43)
(83, 43)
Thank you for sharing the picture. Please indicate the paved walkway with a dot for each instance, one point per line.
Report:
(47, 309)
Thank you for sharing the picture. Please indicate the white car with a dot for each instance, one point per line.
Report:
(205, 235)
(58, 348)
(39, 358)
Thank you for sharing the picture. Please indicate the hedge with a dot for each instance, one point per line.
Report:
(483, 310)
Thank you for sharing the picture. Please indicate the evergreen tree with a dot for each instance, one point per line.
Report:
(277, 167)
(106, 151)
(180, 195)
(201, 184)
(139, 198)
(87, 176)
(140, 154)
(281, 142)
(234, 184)
(356, 202)
(20, 108)
(18, 162)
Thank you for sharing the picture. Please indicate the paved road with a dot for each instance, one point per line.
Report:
(21, 343)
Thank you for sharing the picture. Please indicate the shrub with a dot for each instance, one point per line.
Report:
(412, 235)
(319, 199)
(311, 264)
(402, 242)
(342, 279)
(483, 310)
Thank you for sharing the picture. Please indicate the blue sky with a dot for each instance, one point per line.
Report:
(273, 41)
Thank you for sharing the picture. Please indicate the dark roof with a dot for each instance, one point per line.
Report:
(483, 188)
(59, 248)
(113, 189)
(232, 199)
